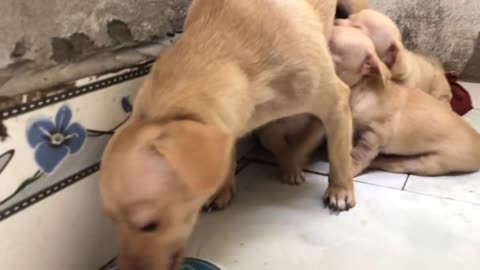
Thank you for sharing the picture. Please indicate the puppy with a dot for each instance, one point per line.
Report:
(238, 65)
(416, 131)
(408, 68)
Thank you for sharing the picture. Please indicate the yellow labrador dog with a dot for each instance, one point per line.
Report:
(408, 68)
(238, 65)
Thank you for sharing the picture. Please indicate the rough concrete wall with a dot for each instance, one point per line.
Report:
(40, 34)
(447, 28)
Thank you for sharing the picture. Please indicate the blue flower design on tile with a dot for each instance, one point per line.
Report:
(126, 104)
(54, 141)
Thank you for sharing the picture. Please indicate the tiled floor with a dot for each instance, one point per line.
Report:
(400, 221)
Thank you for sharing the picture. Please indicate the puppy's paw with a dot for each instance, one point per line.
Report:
(292, 173)
(293, 176)
(339, 199)
(221, 200)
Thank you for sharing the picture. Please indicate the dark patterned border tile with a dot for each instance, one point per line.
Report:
(135, 72)
(21, 205)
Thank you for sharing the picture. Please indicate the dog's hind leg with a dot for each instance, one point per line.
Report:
(425, 165)
(302, 148)
(365, 149)
(273, 138)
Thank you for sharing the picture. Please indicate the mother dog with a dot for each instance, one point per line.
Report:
(238, 65)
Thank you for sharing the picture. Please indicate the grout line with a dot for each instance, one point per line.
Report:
(406, 182)
(445, 198)
(266, 163)
(376, 185)
(272, 163)
(108, 264)
(261, 161)
(315, 172)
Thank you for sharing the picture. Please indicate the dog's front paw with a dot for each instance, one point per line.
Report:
(339, 199)
(221, 200)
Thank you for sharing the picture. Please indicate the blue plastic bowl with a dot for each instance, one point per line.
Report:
(198, 264)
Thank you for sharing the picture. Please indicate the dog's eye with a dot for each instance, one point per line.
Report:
(150, 227)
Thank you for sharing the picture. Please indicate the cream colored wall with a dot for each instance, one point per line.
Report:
(64, 231)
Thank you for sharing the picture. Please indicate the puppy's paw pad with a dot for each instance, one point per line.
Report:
(339, 199)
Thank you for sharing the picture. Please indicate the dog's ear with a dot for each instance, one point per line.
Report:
(370, 65)
(199, 154)
(391, 55)
(373, 67)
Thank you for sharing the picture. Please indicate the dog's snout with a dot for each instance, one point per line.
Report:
(131, 264)
(176, 260)
(172, 261)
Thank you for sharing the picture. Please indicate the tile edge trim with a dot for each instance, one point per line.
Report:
(47, 192)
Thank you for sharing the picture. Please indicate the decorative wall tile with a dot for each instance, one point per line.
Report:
(53, 142)
(67, 230)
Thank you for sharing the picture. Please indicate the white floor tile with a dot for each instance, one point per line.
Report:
(383, 179)
(379, 178)
(474, 90)
(473, 118)
(318, 165)
(459, 187)
(274, 226)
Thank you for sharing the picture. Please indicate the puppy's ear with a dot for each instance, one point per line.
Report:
(373, 67)
(391, 55)
(199, 154)
(370, 65)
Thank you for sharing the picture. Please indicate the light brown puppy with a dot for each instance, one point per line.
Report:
(238, 65)
(425, 137)
(410, 69)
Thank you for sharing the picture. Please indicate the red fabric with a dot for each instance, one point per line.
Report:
(461, 102)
